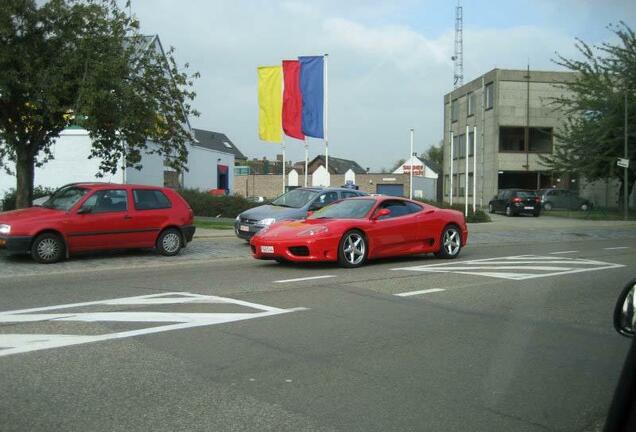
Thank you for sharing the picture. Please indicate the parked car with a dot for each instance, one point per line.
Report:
(562, 199)
(96, 216)
(291, 205)
(515, 201)
(355, 230)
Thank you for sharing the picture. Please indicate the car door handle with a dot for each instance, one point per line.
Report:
(127, 217)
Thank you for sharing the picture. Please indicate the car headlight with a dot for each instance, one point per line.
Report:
(266, 221)
(313, 231)
(5, 229)
(237, 218)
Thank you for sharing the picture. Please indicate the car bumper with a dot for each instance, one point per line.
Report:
(521, 208)
(246, 235)
(188, 232)
(309, 250)
(16, 244)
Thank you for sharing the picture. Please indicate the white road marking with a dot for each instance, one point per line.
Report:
(304, 279)
(616, 248)
(562, 252)
(519, 267)
(413, 293)
(23, 342)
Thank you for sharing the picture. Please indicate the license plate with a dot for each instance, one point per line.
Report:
(267, 249)
(244, 228)
(528, 208)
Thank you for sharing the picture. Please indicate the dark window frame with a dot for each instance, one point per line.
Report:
(489, 96)
(97, 191)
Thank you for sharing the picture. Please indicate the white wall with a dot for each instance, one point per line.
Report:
(151, 173)
(202, 164)
(70, 164)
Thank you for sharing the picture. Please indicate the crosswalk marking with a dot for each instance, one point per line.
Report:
(518, 267)
(16, 343)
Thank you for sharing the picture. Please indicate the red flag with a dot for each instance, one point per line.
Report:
(292, 100)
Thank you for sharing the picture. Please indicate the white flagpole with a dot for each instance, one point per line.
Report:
(474, 169)
(466, 173)
(326, 115)
(452, 142)
(283, 164)
(410, 161)
(306, 160)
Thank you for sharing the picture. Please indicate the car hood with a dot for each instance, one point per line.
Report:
(29, 214)
(290, 229)
(272, 211)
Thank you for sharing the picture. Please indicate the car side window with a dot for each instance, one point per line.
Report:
(397, 207)
(106, 201)
(346, 195)
(502, 195)
(324, 199)
(414, 208)
(150, 199)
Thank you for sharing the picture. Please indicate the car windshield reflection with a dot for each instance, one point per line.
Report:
(347, 209)
(65, 198)
(296, 198)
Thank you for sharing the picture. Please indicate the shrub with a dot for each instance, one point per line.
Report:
(473, 217)
(204, 204)
(8, 200)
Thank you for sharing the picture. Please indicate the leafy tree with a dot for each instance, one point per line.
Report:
(435, 154)
(398, 163)
(84, 62)
(592, 136)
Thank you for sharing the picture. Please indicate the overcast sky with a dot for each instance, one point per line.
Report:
(389, 61)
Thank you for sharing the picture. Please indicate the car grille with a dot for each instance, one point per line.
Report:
(248, 221)
(299, 250)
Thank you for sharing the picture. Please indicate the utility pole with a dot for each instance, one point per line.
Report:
(458, 56)
(626, 169)
(410, 162)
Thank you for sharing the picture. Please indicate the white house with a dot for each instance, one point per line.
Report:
(420, 169)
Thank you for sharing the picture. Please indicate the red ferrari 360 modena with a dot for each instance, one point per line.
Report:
(95, 216)
(357, 229)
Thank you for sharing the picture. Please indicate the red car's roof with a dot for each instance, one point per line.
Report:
(97, 185)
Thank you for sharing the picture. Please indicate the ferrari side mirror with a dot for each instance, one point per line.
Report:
(380, 213)
(625, 310)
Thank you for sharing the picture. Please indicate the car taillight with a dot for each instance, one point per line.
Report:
(516, 200)
(537, 199)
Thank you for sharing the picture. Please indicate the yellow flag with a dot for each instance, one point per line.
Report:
(270, 103)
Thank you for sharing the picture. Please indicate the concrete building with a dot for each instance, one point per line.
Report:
(510, 114)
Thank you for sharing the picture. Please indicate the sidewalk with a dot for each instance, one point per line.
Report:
(207, 233)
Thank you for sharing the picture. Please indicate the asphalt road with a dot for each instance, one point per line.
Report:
(505, 338)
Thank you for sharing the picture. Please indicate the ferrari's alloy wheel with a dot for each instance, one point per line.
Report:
(451, 243)
(169, 242)
(47, 248)
(353, 249)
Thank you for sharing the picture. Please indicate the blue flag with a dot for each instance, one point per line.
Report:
(312, 88)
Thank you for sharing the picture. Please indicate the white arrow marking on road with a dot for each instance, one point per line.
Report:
(21, 343)
(414, 293)
(304, 279)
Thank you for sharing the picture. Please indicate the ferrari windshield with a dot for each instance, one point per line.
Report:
(347, 209)
(65, 198)
(296, 198)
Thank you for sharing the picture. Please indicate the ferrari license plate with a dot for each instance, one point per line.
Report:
(528, 208)
(244, 228)
(267, 249)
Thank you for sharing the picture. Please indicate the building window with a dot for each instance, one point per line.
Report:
(512, 139)
(454, 110)
(471, 103)
(471, 141)
(446, 184)
(459, 147)
(470, 184)
(489, 95)
(461, 180)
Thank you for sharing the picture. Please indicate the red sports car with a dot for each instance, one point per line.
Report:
(92, 216)
(356, 229)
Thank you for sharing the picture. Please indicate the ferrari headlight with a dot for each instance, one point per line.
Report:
(266, 221)
(314, 231)
(5, 229)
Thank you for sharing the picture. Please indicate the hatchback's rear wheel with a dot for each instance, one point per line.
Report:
(585, 207)
(48, 248)
(547, 206)
(491, 208)
(169, 242)
(353, 250)
(508, 211)
(451, 243)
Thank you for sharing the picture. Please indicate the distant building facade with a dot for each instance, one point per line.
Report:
(509, 113)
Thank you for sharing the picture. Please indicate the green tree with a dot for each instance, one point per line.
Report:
(398, 163)
(592, 136)
(84, 62)
(435, 154)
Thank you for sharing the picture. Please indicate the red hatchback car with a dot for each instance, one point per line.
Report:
(97, 216)
(357, 229)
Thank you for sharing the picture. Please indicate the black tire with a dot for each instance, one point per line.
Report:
(169, 242)
(491, 208)
(509, 212)
(353, 249)
(48, 248)
(536, 214)
(450, 246)
(585, 207)
(547, 206)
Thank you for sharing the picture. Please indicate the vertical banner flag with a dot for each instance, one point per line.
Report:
(312, 88)
(270, 103)
(292, 100)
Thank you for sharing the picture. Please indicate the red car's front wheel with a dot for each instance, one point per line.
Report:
(353, 249)
(47, 248)
(451, 243)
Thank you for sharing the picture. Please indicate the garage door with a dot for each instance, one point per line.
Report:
(390, 189)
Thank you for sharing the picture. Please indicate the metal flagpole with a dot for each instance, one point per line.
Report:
(452, 144)
(283, 164)
(326, 116)
(626, 172)
(306, 160)
(466, 173)
(410, 162)
(474, 169)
